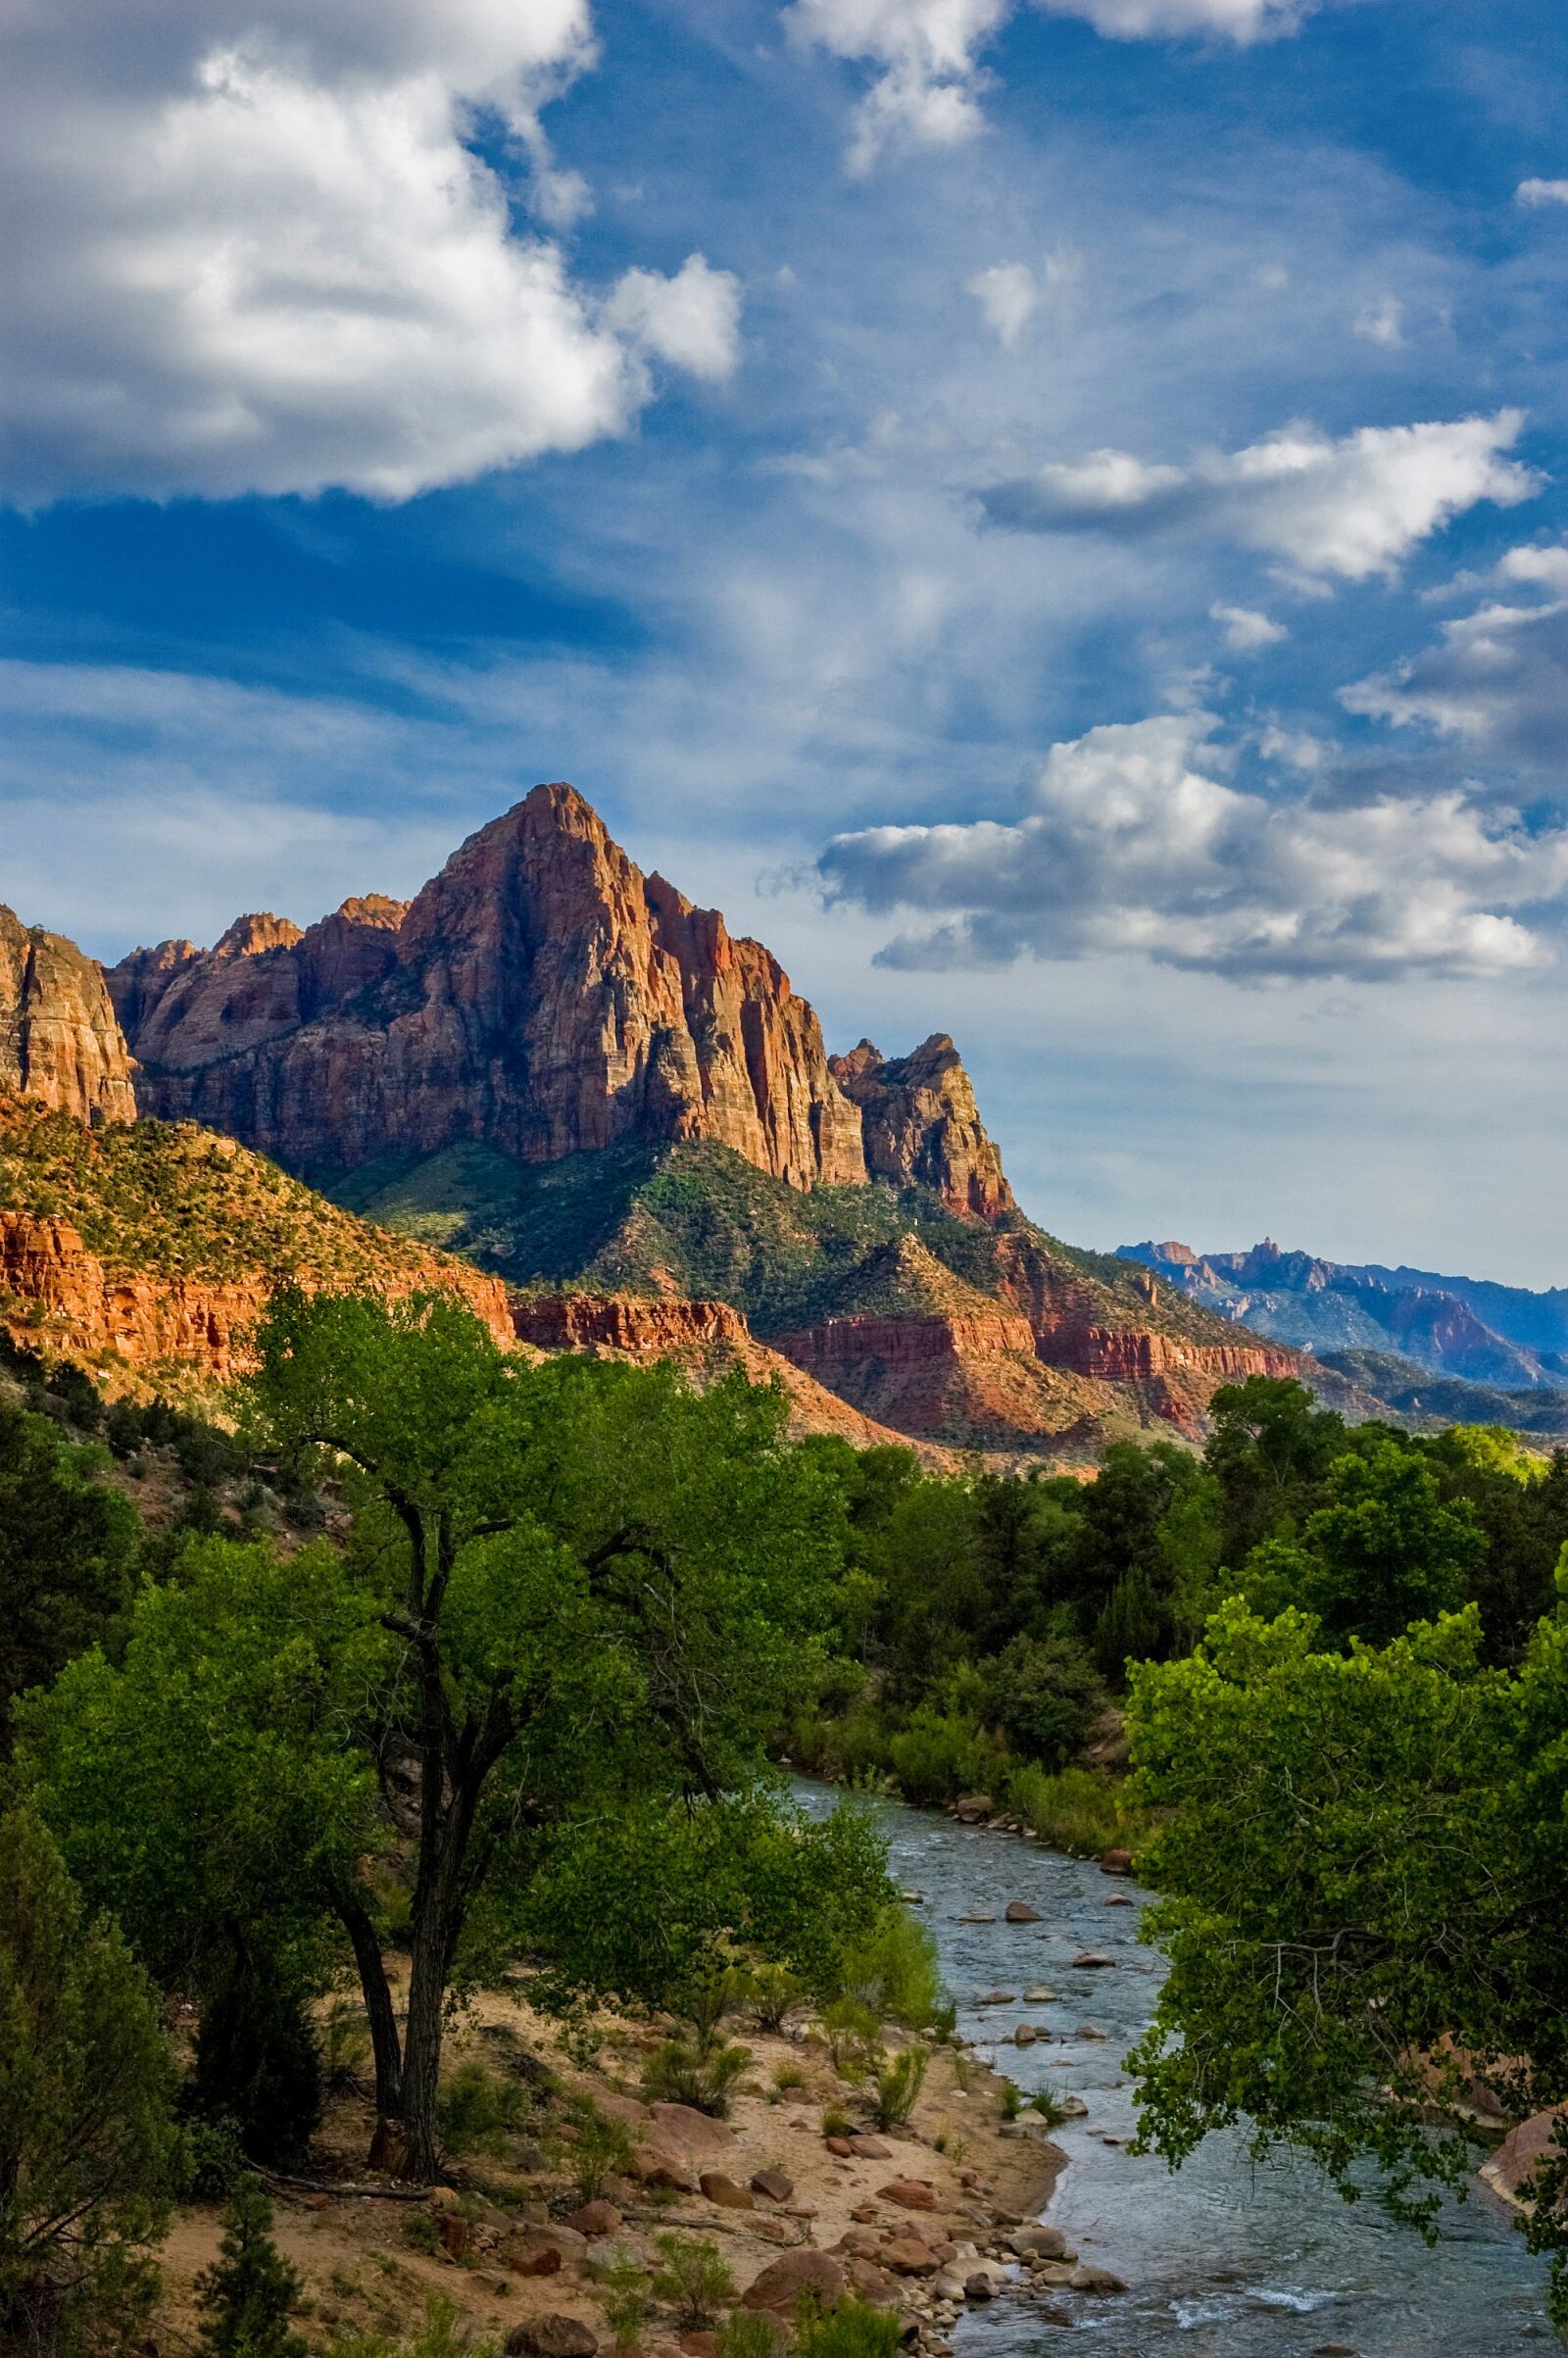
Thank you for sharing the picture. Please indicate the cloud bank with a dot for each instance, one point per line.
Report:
(256, 252)
(1131, 843)
(1351, 508)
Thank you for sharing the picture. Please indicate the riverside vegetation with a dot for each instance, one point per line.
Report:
(455, 1675)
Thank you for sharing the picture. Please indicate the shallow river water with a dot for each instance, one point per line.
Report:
(1223, 2260)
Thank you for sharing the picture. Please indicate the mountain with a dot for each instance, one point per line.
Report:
(564, 1071)
(1429, 1323)
(60, 1044)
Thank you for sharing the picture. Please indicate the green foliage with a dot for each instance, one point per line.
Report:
(1044, 1694)
(694, 2279)
(258, 2063)
(1360, 1857)
(1079, 1811)
(211, 2158)
(248, 2294)
(68, 1551)
(685, 2072)
(894, 1972)
(627, 2290)
(898, 2087)
(850, 2329)
(749, 2333)
(854, 2037)
(87, 2140)
(601, 2150)
(477, 2111)
(774, 1992)
(1011, 2100)
(440, 2333)
(938, 1754)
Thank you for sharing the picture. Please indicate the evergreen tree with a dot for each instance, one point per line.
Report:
(250, 2294)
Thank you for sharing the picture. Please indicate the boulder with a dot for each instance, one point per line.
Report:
(978, 2286)
(724, 2190)
(597, 2218)
(552, 2336)
(872, 2282)
(872, 2149)
(970, 1809)
(532, 2255)
(1092, 1960)
(654, 2166)
(1040, 2241)
(692, 2131)
(701, 2342)
(1020, 1912)
(1073, 2109)
(1087, 2278)
(913, 2194)
(1087, 2029)
(998, 1997)
(1117, 1863)
(783, 2280)
(1025, 2035)
(838, 2145)
(771, 2229)
(773, 2185)
(1039, 1998)
(455, 2235)
(908, 2256)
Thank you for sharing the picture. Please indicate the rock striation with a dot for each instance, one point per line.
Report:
(921, 1127)
(541, 994)
(60, 1044)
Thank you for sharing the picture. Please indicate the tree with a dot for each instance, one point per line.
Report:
(87, 2140)
(67, 1548)
(1362, 1861)
(249, 2292)
(1270, 1450)
(572, 1593)
(1045, 1694)
(1380, 1552)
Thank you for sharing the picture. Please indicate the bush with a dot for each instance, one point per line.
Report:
(774, 1993)
(937, 1756)
(1045, 1694)
(788, 2076)
(854, 2037)
(894, 1974)
(898, 2087)
(87, 2140)
(694, 2279)
(1077, 1810)
(212, 2160)
(680, 2073)
(627, 2290)
(850, 2329)
(258, 2065)
(748, 2333)
(440, 2335)
(601, 2149)
(248, 2296)
(476, 2113)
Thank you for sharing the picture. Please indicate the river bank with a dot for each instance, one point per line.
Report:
(1222, 2259)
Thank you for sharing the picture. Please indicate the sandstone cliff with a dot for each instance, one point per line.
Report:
(921, 1127)
(60, 1044)
(540, 994)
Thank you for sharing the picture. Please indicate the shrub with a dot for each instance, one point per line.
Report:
(774, 1994)
(898, 2087)
(1076, 1810)
(248, 2294)
(694, 2279)
(1048, 2103)
(938, 1754)
(258, 2063)
(627, 2301)
(748, 2333)
(87, 2140)
(836, 2122)
(440, 2335)
(680, 2073)
(212, 2161)
(894, 1974)
(476, 2113)
(1011, 2102)
(788, 2076)
(601, 2150)
(1045, 1694)
(850, 2329)
(421, 2231)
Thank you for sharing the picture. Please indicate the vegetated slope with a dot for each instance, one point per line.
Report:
(139, 1245)
(1330, 1306)
(1426, 1401)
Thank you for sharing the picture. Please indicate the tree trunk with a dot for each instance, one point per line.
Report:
(386, 2045)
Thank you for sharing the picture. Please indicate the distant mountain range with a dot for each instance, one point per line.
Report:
(1424, 1344)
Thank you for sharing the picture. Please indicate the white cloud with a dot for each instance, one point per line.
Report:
(692, 320)
(926, 51)
(1129, 845)
(1009, 296)
(1354, 507)
(1382, 322)
(1543, 565)
(1541, 193)
(1247, 632)
(1496, 679)
(1240, 21)
(250, 252)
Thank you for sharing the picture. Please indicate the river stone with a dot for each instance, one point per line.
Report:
(1085, 2030)
(914, 2193)
(552, 2336)
(784, 2280)
(948, 2286)
(1039, 1998)
(1025, 2035)
(1020, 1912)
(908, 2256)
(1117, 1863)
(1092, 1960)
(998, 1997)
(979, 2288)
(1048, 2243)
(970, 1809)
(774, 2185)
(1120, 1899)
(1087, 2278)
(977, 1916)
(1073, 2109)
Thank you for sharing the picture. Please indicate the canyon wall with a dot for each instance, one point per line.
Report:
(60, 1044)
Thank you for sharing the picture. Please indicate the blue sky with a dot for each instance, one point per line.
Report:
(1051, 515)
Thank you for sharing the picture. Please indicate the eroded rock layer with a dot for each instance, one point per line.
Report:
(60, 1044)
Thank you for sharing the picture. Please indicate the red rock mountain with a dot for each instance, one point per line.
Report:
(921, 1127)
(541, 994)
(60, 1044)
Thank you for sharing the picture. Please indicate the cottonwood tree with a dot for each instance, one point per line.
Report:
(572, 1595)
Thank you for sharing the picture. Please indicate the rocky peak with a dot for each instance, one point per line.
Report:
(921, 1127)
(253, 935)
(60, 1042)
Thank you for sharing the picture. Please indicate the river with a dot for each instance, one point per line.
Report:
(1224, 2260)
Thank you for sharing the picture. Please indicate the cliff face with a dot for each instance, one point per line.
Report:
(540, 994)
(60, 1044)
(921, 1127)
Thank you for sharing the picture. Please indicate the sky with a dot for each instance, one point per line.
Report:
(1051, 512)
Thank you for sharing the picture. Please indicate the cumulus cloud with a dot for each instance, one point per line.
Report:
(926, 56)
(1382, 322)
(251, 250)
(1354, 507)
(1130, 842)
(1247, 632)
(1240, 20)
(1541, 193)
(1495, 680)
(1007, 296)
(692, 320)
